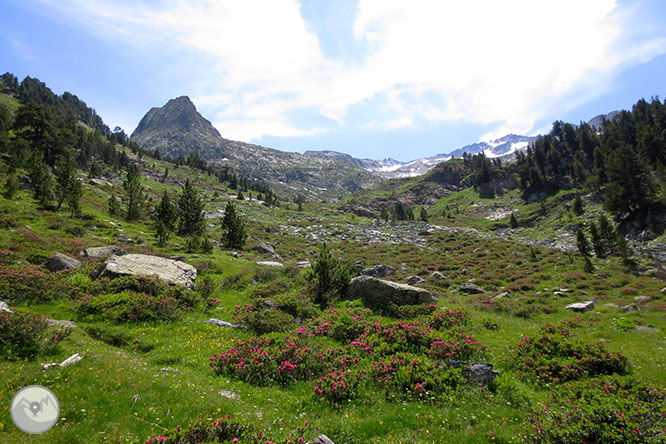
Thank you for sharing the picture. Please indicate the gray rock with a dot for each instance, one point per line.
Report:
(646, 329)
(559, 294)
(68, 324)
(630, 308)
(223, 324)
(303, 264)
(381, 292)
(178, 258)
(643, 299)
(415, 280)
(270, 264)
(503, 295)
(97, 252)
(379, 271)
(168, 270)
(322, 439)
(581, 307)
(277, 257)
(125, 239)
(481, 373)
(663, 290)
(229, 394)
(265, 248)
(59, 262)
(468, 287)
(439, 276)
(5, 307)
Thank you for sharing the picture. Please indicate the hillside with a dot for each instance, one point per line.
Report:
(496, 333)
(177, 129)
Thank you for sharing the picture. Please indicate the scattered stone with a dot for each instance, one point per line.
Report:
(125, 239)
(229, 394)
(468, 287)
(642, 299)
(69, 361)
(480, 372)
(630, 308)
(382, 292)
(560, 294)
(265, 248)
(68, 324)
(611, 305)
(223, 324)
(518, 253)
(303, 264)
(415, 280)
(379, 271)
(168, 270)
(503, 295)
(322, 439)
(646, 329)
(581, 307)
(270, 264)
(277, 257)
(564, 289)
(59, 262)
(5, 307)
(663, 290)
(235, 254)
(97, 252)
(439, 276)
(358, 266)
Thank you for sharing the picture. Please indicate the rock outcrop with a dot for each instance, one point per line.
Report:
(97, 252)
(381, 293)
(168, 270)
(470, 288)
(379, 271)
(59, 262)
(581, 307)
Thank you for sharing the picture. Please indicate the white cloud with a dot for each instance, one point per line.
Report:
(508, 63)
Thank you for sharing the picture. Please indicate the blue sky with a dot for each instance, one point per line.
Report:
(372, 78)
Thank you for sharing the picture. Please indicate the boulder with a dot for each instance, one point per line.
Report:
(581, 307)
(168, 270)
(97, 252)
(59, 262)
(415, 280)
(437, 275)
(68, 324)
(265, 248)
(468, 287)
(380, 292)
(630, 308)
(125, 239)
(379, 271)
(504, 294)
(223, 324)
(303, 264)
(481, 373)
(5, 307)
(642, 299)
(322, 439)
(270, 264)
(663, 290)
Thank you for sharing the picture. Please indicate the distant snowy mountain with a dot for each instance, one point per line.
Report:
(504, 146)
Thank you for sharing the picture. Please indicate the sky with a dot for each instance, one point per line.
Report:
(371, 78)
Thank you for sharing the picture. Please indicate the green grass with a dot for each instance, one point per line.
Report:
(121, 394)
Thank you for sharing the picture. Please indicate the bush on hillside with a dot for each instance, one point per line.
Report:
(24, 335)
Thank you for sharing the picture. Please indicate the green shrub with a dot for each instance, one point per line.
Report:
(29, 284)
(24, 335)
(328, 278)
(127, 306)
(613, 411)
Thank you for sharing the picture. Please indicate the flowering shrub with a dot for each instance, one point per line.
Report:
(127, 306)
(444, 320)
(617, 410)
(556, 357)
(405, 376)
(272, 358)
(342, 324)
(24, 335)
(410, 311)
(31, 284)
(338, 386)
(459, 347)
(225, 431)
(278, 314)
(148, 285)
(403, 336)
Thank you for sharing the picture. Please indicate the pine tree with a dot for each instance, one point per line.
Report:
(40, 179)
(68, 188)
(577, 206)
(329, 277)
(113, 205)
(582, 243)
(607, 234)
(384, 214)
(134, 191)
(234, 235)
(191, 215)
(598, 245)
(513, 222)
(424, 214)
(166, 212)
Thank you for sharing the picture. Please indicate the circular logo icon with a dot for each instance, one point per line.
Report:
(35, 409)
